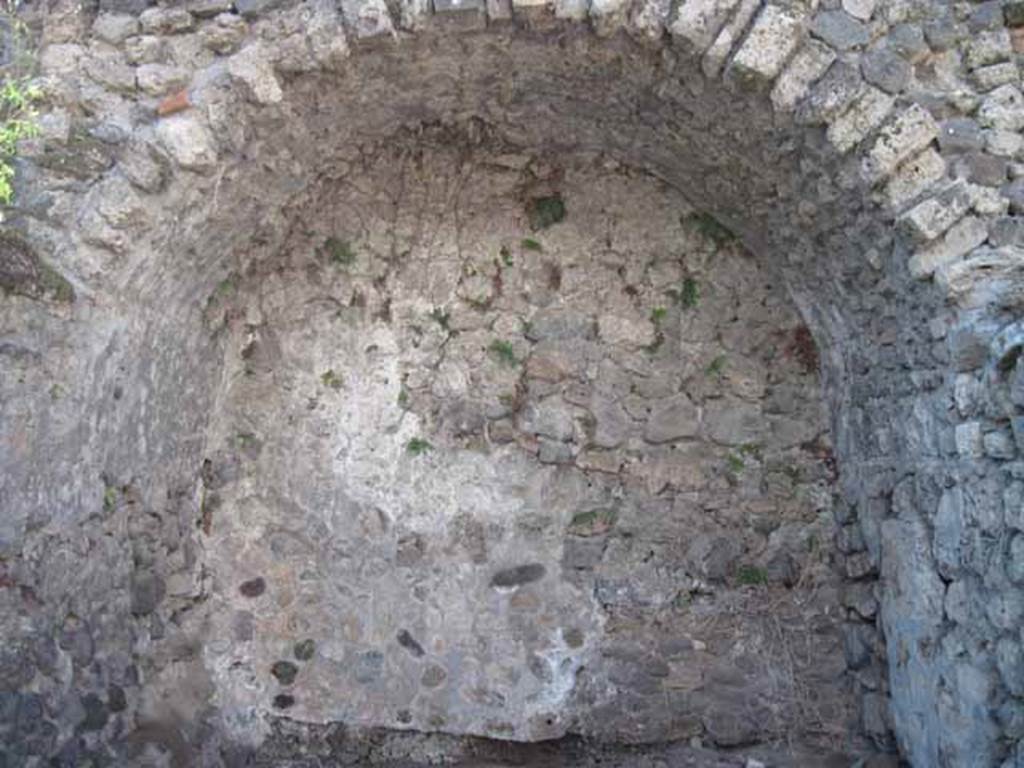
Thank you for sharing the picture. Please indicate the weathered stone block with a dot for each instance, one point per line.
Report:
(673, 419)
(840, 30)
(906, 135)
(860, 597)
(145, 49)
(999, 445)
(111, 74)
(849, 539)
(858, 645)
(960, 240)
(1004, 143)
(160, 79)
(367, 20)
(114, 28)
(208, 9)
(969, 440)
(886, 69)
(913, 178)
(717, 55)
(982, 168)
(166, 21)
(862, 117)
(943, 33)
(1015, 561)
(557, 323)
(907, 565)
(986, 15)
(251, 67)
(582, 553)
(930, 218)
(187, 141)
(697, 23)
(1006, 230)
(500, 11)
(650, 19)
(960, 134)
(252, 9)
(1005, 609)
(875, 717)
(994, 75)
(908, 41)
(466, 14)
(548, 419)
(860, 9)
(809, 63)
(148, 590)
(734, 422)
(1003, 109)
(775, 35)
(987, 48)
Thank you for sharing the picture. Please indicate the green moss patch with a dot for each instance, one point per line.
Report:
(710, 227)
(24, 273)
(593, 522)
(339, 251)
(544, 212)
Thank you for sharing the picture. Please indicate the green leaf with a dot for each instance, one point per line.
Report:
(418, 446)
(504, 352)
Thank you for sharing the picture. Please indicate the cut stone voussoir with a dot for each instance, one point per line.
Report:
(775, 35)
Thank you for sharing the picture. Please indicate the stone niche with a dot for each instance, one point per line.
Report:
(517, 446)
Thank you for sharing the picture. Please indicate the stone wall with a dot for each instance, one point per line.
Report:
(484, 477)
(869, 154)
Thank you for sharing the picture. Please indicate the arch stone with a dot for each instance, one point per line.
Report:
(869, 153)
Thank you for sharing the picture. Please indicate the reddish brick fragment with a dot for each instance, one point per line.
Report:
(174, 103)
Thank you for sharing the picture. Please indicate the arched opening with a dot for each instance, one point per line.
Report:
(434, 391)
(521, 447)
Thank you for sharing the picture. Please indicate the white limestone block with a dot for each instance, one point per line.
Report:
(906, 135)
(718, 54)
(651, 18)
(775, 35)
(698, 22)
(930, 218)
(251, 66)
(963, 238)
(913, 177)
(860, 9)
(809, 63)
(862, 117)
(573, 10)
(188, 141)
(608, 15)
(1003, 109)
(367, 19)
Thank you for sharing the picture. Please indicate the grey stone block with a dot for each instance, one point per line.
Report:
(1006, 230)
(981, 168)
(251, 9)
(944, 33)
(908, 41)
(858, 644)
(961, 134)
(886, 69)
(840, 30)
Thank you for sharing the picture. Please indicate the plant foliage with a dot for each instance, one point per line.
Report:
(19, 98)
